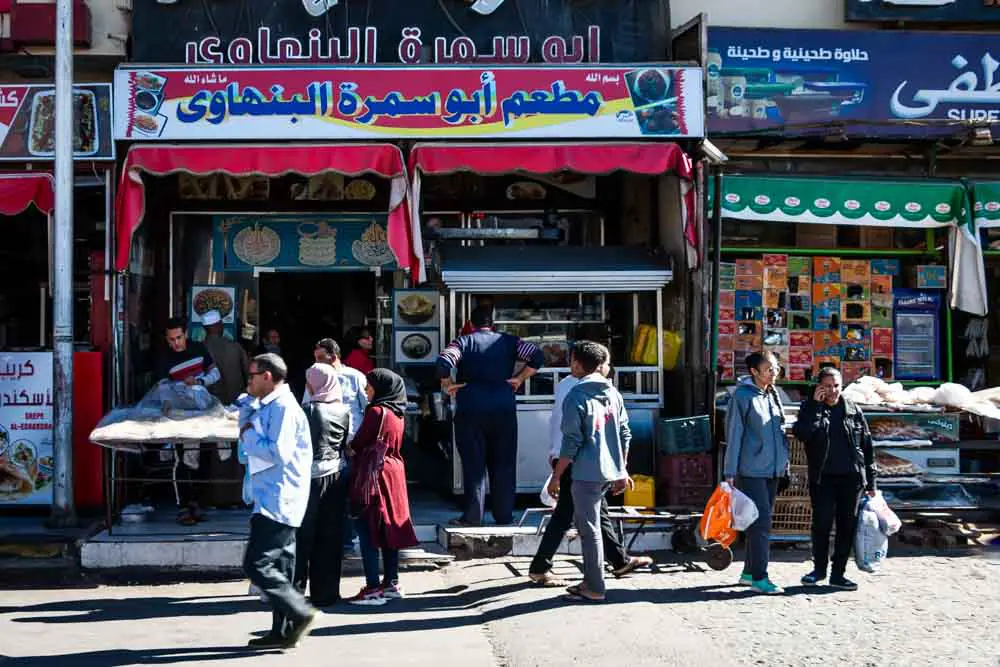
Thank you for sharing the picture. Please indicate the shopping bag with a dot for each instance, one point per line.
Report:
(871, 545)
(717, 521)
(745, 510)
(544, 496)
(888, 522)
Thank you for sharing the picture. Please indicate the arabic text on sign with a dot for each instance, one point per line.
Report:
(963, 89)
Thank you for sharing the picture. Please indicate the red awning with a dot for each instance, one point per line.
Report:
(383, 160)
(592, 158)
(20, 190)
(547, 158)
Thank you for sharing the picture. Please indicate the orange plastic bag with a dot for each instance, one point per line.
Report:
(717, 522)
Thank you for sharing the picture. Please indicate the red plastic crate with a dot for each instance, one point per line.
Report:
(694, 497)
(685, 470)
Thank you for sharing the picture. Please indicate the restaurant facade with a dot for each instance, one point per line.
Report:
(340, 171)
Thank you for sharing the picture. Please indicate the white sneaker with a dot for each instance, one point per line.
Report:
(393, 592)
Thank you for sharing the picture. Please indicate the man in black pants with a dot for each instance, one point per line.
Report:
(562, 516)
(841, 463)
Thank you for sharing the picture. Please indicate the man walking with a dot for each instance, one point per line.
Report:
(756, 458)
(841, 463)
(562, 515)
(486, 412)
(278, 446)
(596, 439)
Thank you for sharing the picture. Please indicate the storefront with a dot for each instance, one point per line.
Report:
(26, 203)
(844, 240)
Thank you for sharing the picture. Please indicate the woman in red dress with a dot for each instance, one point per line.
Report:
(378, 488)
(360, 356)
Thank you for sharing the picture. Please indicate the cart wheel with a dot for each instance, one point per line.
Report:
(718, 557)
(683, 540)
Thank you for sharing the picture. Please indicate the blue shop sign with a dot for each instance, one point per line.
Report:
(875, 83)
(301, 242)
(924, 11)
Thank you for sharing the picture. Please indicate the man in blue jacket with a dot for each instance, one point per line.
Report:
(756, 458)
(596, 439)
(486, 412)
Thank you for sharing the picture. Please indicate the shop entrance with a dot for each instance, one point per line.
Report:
(304, 307)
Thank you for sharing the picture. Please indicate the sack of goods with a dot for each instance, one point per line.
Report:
(728, 511)
(871, 544)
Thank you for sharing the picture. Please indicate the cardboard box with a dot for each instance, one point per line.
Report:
(883, 367)
(800, 356)
(727, 284)
(727, 314)
(826, 344)
(855, 352)
(775, 318)
(882, 316)
(881, 342)
(822, 362)
(800, 373)
(800, 320)
(802, 302)
(876, 237)
(775, 260)
(726, 342)
(801, 339)
(824, 316)
(855, 271)
(856, 311)
(855, 332)
(775, 299)
(826, 270)
(727, 328)
(727, 373)
(776, 277)
(727, 299)
(727, 269)
(725, 358)
(775, 337)
(749, 267)
(825, 292)
(755, 283)
(809, 235)
(886, 267)
(881, 290)
(932, 277)
(801, 284)
(854, 370)
(800, 266)
(855, 292)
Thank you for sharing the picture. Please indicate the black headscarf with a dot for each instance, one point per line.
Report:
(390, 392)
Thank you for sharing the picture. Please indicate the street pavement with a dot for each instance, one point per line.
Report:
(922, 610)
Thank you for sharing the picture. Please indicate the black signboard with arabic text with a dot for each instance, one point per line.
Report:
(351, 32)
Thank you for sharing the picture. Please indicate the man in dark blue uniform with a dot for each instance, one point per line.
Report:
(486, 412)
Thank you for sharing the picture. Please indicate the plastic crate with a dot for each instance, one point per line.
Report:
(685, 470)
(687, 435)
(799, 487)
(791, 517)
(796, 452)
(695, 497)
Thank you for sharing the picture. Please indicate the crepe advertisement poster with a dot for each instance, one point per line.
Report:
(434, 102)
(26, 463)
(28, 128)
(206, 298)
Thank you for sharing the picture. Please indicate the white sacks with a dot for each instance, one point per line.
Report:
(871, 545)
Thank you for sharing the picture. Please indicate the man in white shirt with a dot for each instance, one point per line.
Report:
(562, 516)
(352, 382)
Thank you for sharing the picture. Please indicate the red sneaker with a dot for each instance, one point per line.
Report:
(369, 597)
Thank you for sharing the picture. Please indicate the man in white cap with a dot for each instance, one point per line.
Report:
(230, 359)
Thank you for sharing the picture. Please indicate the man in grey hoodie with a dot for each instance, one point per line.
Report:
(756, 459)
(596, 439)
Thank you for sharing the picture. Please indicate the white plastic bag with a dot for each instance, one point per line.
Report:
(871, 545)
(544, 496)
(888, 522)
(745, 511)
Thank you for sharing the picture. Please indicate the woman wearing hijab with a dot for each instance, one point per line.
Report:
(319, 540)
(378, 488)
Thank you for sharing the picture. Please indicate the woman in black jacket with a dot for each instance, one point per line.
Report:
(319, 540)
(841, 463)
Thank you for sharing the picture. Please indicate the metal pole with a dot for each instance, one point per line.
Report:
(63, 510)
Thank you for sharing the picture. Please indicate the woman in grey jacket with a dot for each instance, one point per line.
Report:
(756, 458)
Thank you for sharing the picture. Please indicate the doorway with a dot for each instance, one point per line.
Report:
(305, 307)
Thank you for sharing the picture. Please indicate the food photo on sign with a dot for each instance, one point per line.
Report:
(26, 454)
(27, 122)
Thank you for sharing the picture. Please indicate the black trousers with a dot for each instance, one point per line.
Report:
(834, 501)
(269, 563)
(487, 444)
(560, 522)
(319, 540)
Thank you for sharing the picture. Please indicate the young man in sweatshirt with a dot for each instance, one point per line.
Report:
(756, 458)
(596, 439)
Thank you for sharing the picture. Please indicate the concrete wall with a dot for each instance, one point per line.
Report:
(762, 14)
(110, 25)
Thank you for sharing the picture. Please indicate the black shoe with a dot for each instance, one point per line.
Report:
(267, 641)
(301, 630)
(813, 578)
(843, 583)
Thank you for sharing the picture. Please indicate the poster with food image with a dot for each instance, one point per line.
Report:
(221, 298)
(416, 308)
(416, 347)
(26, 463)
(27, 122)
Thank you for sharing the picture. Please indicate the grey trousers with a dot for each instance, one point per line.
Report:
(587, 497)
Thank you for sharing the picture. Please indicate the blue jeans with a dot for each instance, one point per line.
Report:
(762, 492)
(369, 557)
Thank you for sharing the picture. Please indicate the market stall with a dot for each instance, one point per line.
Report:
(556, 280)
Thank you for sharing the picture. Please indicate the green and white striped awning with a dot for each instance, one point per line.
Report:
(986, 195)
(843, 201)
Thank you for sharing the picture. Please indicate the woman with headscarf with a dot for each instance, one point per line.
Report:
(319, 540)
(378, 488)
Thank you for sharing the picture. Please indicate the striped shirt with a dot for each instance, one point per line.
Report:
(484, 360)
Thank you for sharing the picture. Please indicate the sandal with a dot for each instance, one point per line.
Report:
(633, 564)
(187, 519)
(460, 522)
(547, 580)
(576, 594)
